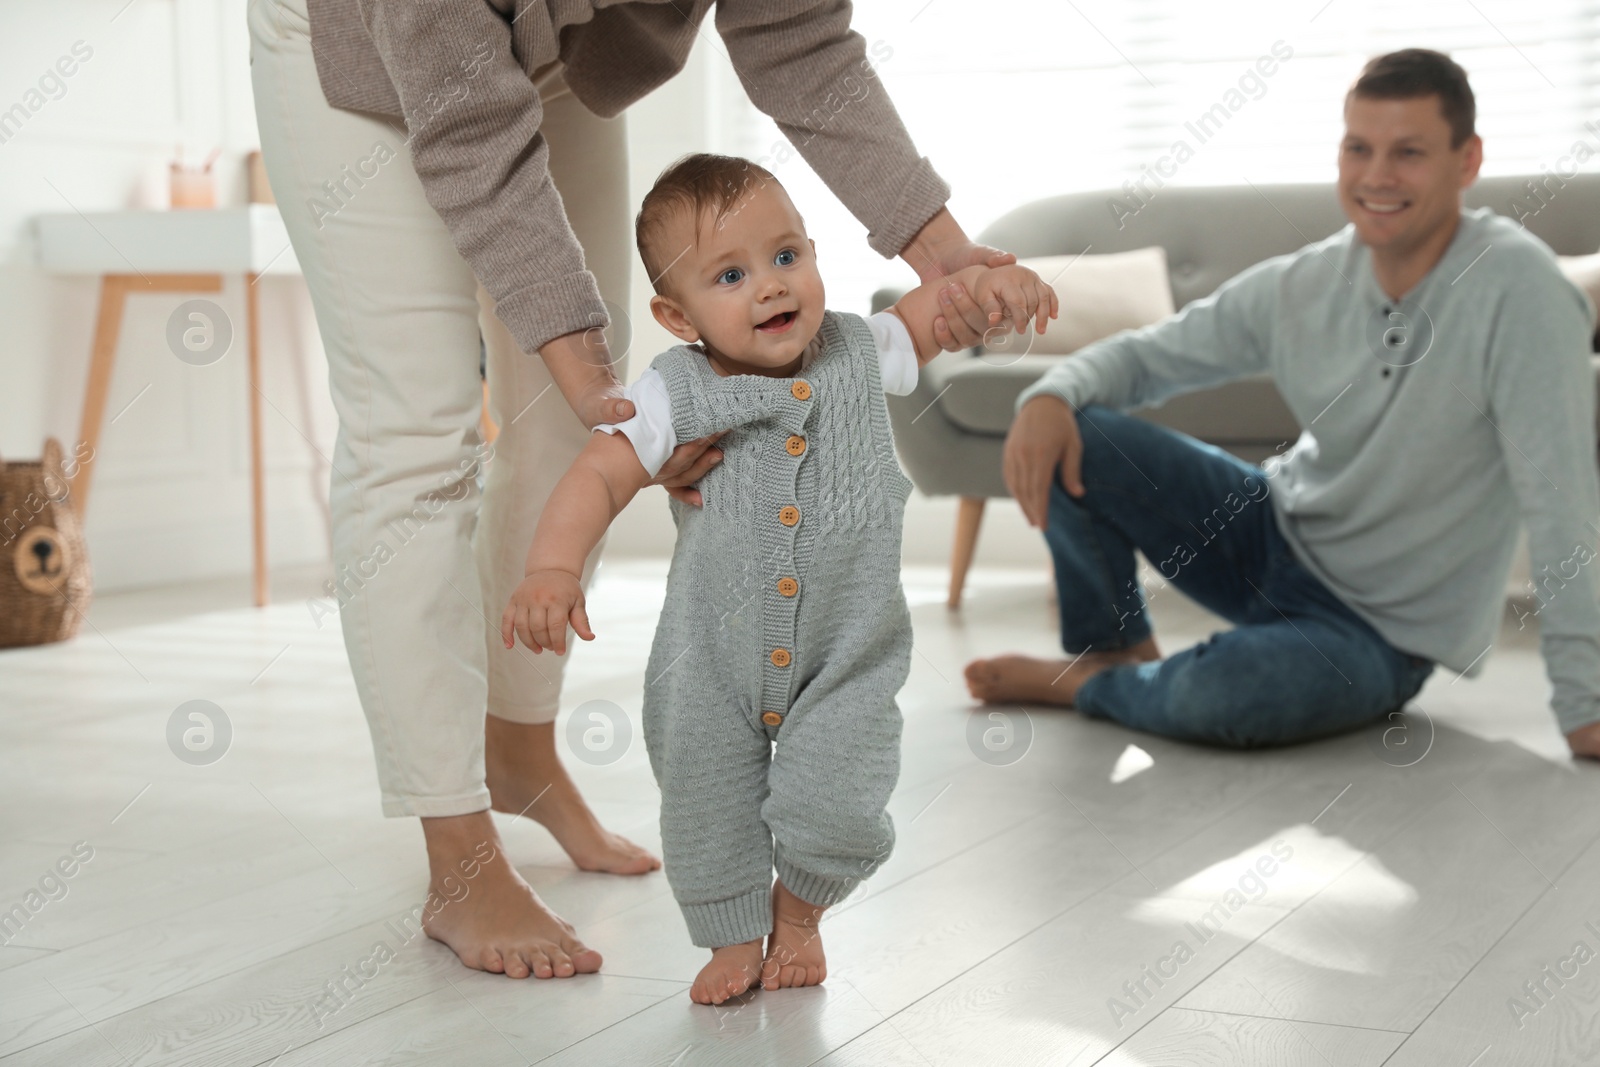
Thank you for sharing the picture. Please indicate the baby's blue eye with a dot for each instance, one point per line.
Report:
(731, 275)
(785, 258)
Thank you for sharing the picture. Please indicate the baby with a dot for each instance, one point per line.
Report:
(784, 623)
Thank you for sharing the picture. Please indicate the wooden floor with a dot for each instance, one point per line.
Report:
(1086, 896)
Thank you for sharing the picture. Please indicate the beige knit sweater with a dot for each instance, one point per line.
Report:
(458, 72)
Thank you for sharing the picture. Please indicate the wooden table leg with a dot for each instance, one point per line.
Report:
(108, 324)
(114, 292)
(257, 475)
(968, 519)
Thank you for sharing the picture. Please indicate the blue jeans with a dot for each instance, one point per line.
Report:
(1298, 663)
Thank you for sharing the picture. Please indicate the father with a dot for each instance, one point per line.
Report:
(1447, 397)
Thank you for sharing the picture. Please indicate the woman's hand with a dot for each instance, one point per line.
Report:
(580, 364)
(1043, 436)
(942, 248)
(689, 463)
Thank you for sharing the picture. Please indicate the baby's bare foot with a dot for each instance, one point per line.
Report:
(490, 918)
(525, 777)
(1028, 680)
(794, 949)
(733, 970)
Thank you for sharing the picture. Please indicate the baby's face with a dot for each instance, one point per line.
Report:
(749, 289)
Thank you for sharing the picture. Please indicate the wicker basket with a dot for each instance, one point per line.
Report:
(45, 581)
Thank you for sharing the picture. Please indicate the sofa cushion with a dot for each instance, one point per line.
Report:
(1100, 296)
(980, 397)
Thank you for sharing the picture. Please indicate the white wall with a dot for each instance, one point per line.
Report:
(170, 477)
(171, 493)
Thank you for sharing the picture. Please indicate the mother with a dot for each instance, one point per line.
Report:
(500, 209)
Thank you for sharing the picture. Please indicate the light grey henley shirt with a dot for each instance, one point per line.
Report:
(1405, 490)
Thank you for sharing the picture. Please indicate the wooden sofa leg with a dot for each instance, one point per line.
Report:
(968, 519)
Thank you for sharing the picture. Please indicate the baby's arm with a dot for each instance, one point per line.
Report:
(598, 485)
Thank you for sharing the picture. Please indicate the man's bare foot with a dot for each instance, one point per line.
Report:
(526, 777)
(1027, 680)
(794, 949)
(732, 971)
(480, 906)
(1585, 741)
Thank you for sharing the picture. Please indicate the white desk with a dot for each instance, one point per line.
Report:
(163, 252)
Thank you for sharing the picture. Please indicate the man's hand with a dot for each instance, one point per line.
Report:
(1018, 294)
(689, 463)
(1043, 436)
(540, 608)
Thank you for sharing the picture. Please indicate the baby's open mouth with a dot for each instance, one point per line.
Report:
(778, 323)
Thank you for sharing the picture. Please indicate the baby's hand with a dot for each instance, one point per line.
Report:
(539, 610)
(1018, 294)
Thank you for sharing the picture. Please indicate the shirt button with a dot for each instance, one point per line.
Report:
(789, 515)
(771, 718)
(801, 390)
(795, 445)
(780, 657)
(788, 586)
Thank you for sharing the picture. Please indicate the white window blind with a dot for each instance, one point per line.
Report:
(1014, 100)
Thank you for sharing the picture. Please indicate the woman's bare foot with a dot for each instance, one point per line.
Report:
(732, 971)
(1585, 741)
(526, 777)
(480, 906)
(1027, 680)
(794, 949)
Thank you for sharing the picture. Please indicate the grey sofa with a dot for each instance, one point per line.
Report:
(951, 430)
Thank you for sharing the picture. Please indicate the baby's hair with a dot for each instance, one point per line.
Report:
(696, 183)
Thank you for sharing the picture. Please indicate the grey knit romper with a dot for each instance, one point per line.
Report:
(784, 623)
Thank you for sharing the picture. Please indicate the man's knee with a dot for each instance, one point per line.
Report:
(1097, 420)
(1106, 435)
(1203, 707)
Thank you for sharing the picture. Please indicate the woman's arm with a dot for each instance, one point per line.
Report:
(802, 64)
(473, 122)
(473, 127)
(942, 247)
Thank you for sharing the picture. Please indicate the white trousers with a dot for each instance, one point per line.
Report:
(424, 566)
